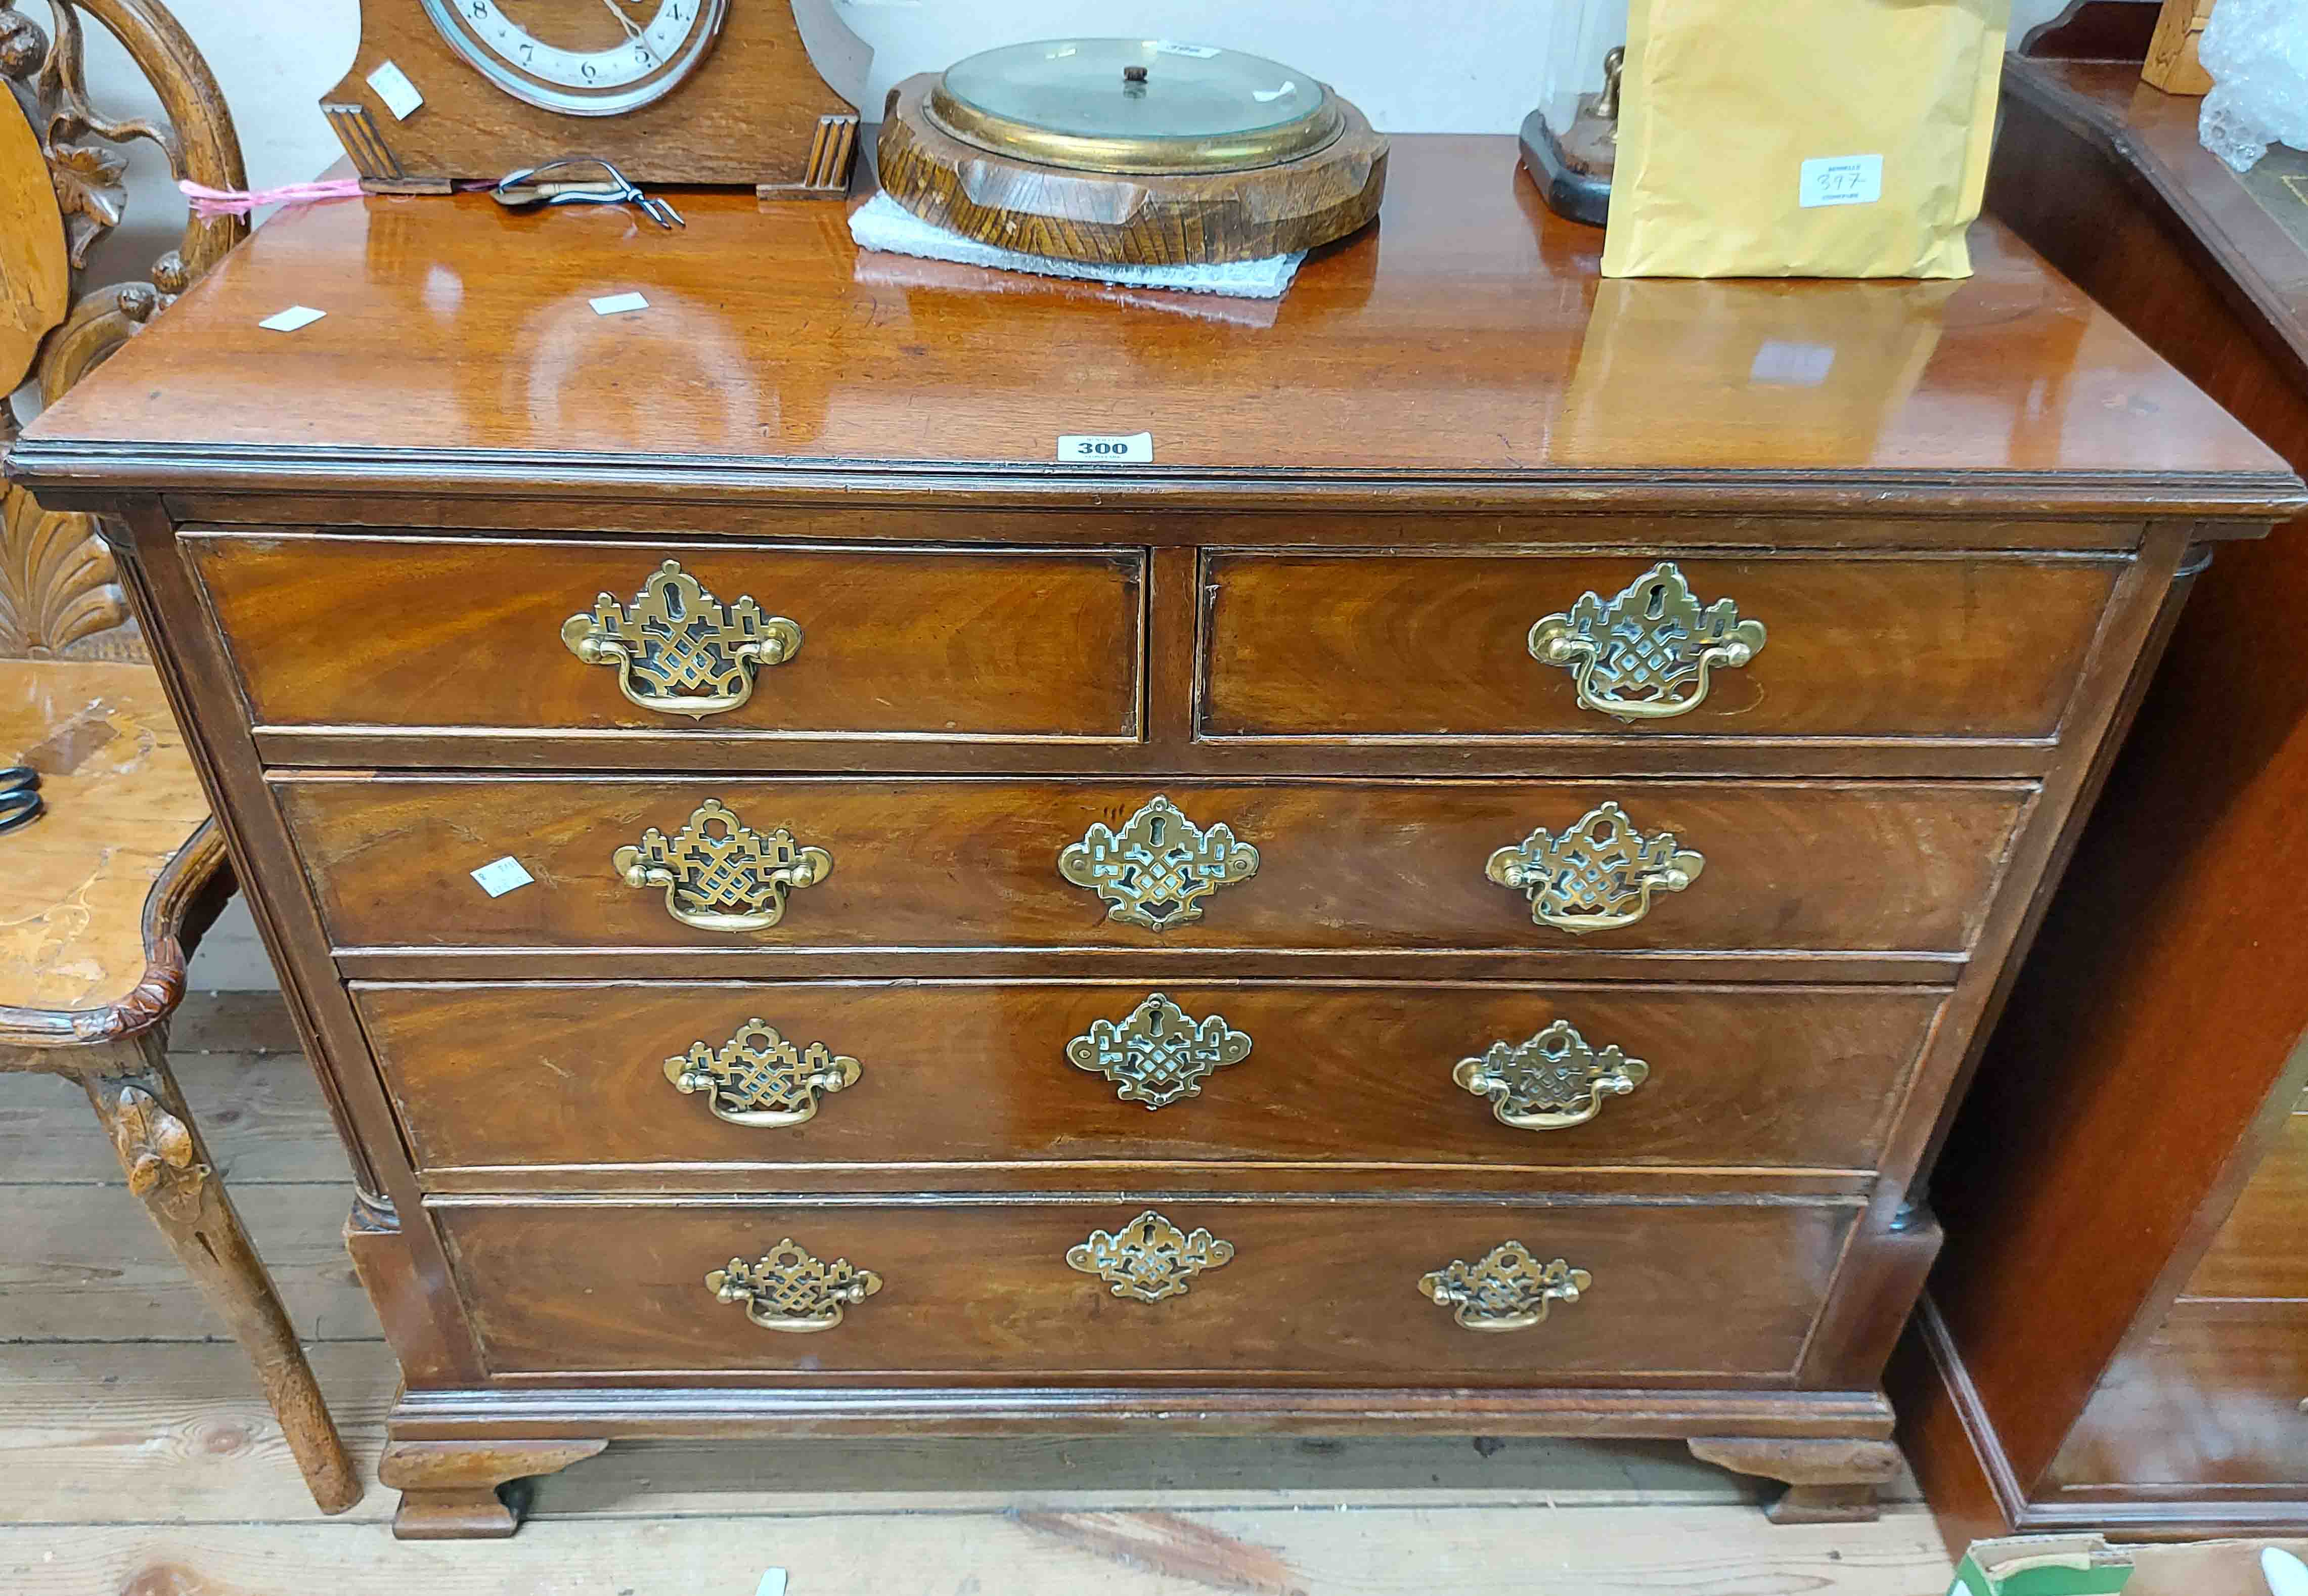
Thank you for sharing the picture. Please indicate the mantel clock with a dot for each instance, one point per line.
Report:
(679, 91)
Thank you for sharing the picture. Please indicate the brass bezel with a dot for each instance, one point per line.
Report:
(1309, 134)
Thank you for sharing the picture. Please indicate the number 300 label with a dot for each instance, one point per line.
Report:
(1137, 449)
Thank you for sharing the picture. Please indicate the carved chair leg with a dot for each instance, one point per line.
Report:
(139, 1105)
(1829, 1481)
(464, 1491)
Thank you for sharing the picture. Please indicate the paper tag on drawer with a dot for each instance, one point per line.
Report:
(1137, 448)
(500, 876)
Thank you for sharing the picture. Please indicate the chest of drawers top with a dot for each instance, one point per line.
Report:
(1460, 361)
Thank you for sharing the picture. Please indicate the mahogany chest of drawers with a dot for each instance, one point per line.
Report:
(1455, 899)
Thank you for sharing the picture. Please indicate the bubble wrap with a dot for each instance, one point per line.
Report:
(2256, 52)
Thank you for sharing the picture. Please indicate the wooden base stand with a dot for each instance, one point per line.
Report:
(460, 1490)
(1829, 1481)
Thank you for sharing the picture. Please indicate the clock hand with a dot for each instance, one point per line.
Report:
(633, 29)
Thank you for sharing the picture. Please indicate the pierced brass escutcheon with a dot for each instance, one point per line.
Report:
(1157, 1053)
(759, 1079)
(1159, 868)
(1598, 875)
(676, 650)
(1507, 1290)
(1632, 657)
(786, 1289)
(1150, 1258)
(1552, 1082)
(717, 874)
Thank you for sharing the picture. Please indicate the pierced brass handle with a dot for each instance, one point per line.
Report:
(1552, 1082)
(1507, 1290)
(1159, 868)
(1150, 1258)
(717, 874)
(786, 1289)
(676, 650)
(759, 1079)
(1157, 1053)
(1633, 656)
(1598, 875)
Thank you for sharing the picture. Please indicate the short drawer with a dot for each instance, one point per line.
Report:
(1328, 1290)
(813, 1081)
(880, 864)
(472, 633)
(1444, 645)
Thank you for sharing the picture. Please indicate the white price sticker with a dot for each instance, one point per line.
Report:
(500, 876)
(392, 87)
(1200, 52)
(1841, 180)
(292, 318)
(613, 303)
(1109, 449)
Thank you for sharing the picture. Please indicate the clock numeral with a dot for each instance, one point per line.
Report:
(587, 69)
(528, 54)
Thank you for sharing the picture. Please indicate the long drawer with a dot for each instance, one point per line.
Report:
(604, 637)
(797, 1079)
(1316, 1291)
(888, 864)
(1346, 645)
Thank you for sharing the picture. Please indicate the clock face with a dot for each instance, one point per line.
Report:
(582, 58)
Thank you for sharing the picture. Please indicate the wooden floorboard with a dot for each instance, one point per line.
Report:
(1373, 1552)
(137, 1459)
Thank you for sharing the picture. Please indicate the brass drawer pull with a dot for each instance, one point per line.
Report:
(1552, 1082)
(759, 1079)
(1508, 1290)
(717, 874)
(786, 1289)
(1157, 1053)
(676, 650)
(1598, 875)
(1159, 868)
(1150, 1258)
(1632, 657)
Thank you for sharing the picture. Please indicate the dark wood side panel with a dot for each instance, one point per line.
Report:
(466, 634)
(960, 1073)
(973, 863)
(1436, 646)
(1325, 1290)
(2163, 949)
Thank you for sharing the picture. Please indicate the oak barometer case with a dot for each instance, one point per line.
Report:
(1124, 151)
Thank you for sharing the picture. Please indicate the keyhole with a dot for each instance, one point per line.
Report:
(1657, 606)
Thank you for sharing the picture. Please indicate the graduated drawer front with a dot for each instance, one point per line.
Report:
(1327, 1289)
(467, 633)
(956, 1072)
(952, 863)
(1321, 645)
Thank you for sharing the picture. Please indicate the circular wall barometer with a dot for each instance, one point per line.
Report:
(1132, 150)
(582, 58)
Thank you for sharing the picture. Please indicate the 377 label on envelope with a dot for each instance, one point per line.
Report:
(1841, 180)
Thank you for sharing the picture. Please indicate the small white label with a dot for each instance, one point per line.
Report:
(1200, 52)
(612, 304)
(500, 876)
(1787, 363)
(773, 1582)
(1111, 449)
(1841, 180)
(392, 87)
(292, 318)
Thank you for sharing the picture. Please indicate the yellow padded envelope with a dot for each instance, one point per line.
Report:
(1803, 138)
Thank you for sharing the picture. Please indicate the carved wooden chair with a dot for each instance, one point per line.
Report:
(102, 896)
